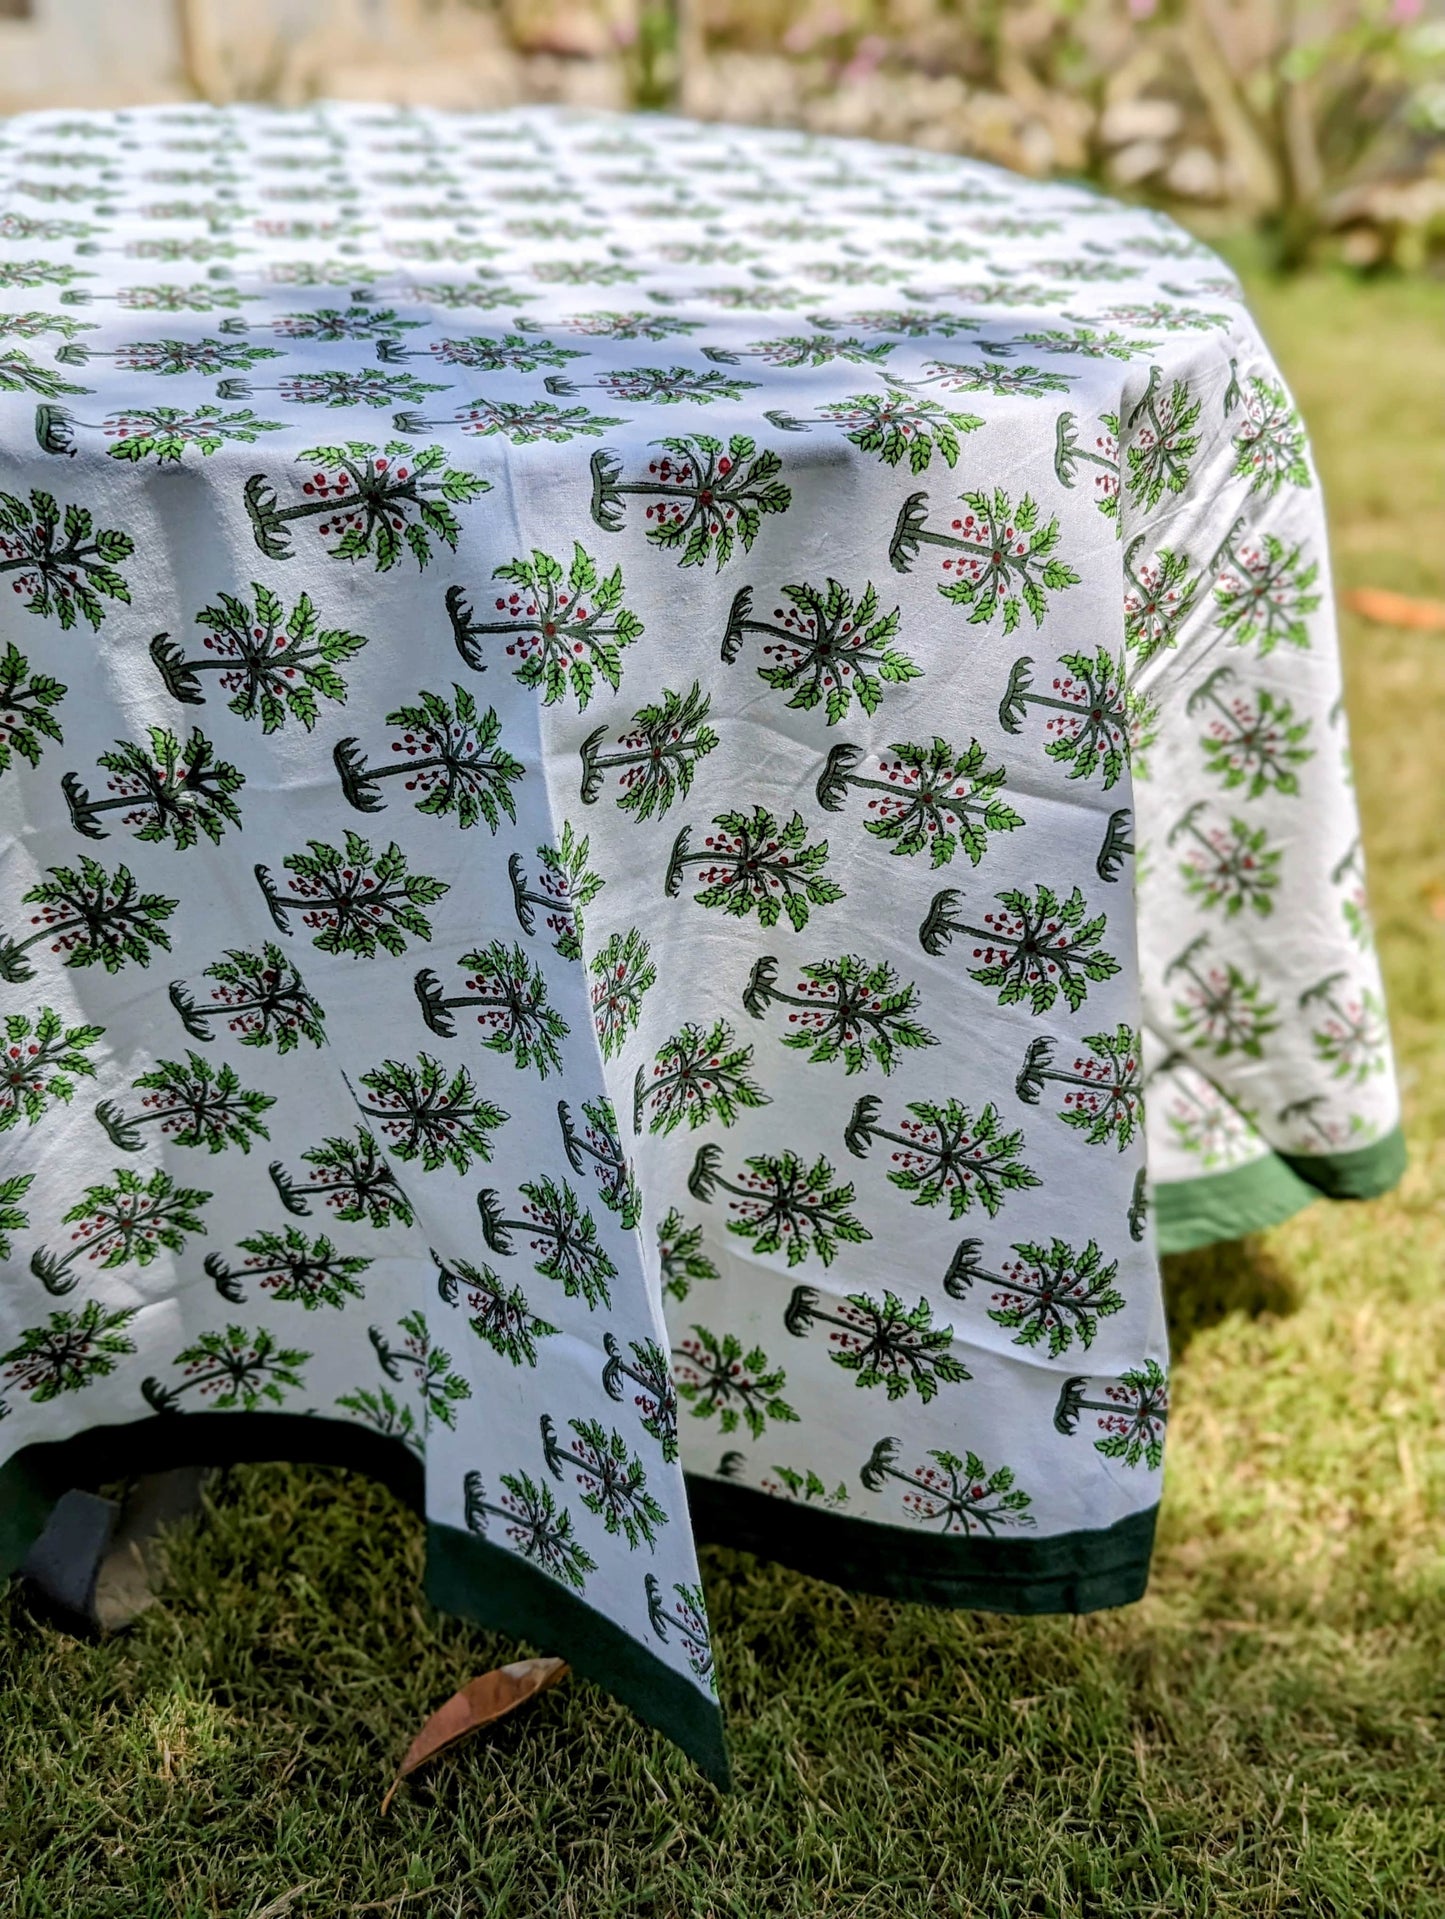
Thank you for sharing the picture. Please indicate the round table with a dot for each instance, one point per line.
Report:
(630, 751)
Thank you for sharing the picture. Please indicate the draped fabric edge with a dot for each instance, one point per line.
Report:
(465, 1575)
(1189, 1213)
(1075, 1572)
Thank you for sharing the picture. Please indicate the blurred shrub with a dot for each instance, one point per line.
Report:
(1323, 121)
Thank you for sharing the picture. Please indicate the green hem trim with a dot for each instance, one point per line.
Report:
(477, 1580)
(1247, 1199)
(1074, 1572)
(465, 1575)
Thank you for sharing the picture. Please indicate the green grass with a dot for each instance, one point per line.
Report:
(1261, 1736)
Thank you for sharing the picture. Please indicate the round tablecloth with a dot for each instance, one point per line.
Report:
(629, 751)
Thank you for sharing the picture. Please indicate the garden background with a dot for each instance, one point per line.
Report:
(1265, 1733)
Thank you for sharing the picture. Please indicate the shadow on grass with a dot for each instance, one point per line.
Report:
(1206, 1286)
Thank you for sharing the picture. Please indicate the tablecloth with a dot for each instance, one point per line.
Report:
(670, 794)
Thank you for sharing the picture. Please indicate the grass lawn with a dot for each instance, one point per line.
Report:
(1261, 1736)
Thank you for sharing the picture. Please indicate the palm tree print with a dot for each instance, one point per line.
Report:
(1133, 1414)
(647, 1374)
(173, 357)
(523, 424)
(200, 296)
(40, 1061)
(622, 973)
(330, 324)
(1218, 1009)
(656, 386)
(345, 387)
(291, 1268)
(896, 425)
(133, 1219)
(782, 1203)
(564, 885)
(19, 373)
(160, 432)
(351, 1177)
(13, 1218)
(427, 1115)
(1158, 598)
(533, 1522)
(383, 1411)
(507, 997)
(630, 326)
(688, 1618)
(909, 323)
(613, 1483)
(805, 349)
(449, 756)
(39, 273)
(501, 1315)
(1032, 949)
(195, 1104)
(883, 1343)
(1270, 446)
(682, 1264)
(1354, 1040)
(170, 791)
(656, 758)
(432, 1378)
(946, 1154)
(274, 666)
(1208, 1126)
(69, 1352)
(755, 861)
(715, 1376)
(259, 999)
(1252, 743)
(91, 918)
(934, 799)
(1007, 562)
(1105, 1100)
(1231, 866)
(844, 1009)
(58, 557)
(1004, 382)
(557, 1226)
(1102, 454)
(565, 627)
(26, 702)
(1160, 441)
(229, 1370)
(706, 498)
(374, 502)
(352, 900)
(825, 647)
(962, 1494)
(1092, 713)
(511, 353)
(1048, 1293)
(600, 1142)
(699, 1074)
(1262, 591)
(786, 1482)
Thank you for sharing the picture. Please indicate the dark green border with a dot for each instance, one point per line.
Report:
(1068, 1572)
(465, 1574)
(1219, 1206)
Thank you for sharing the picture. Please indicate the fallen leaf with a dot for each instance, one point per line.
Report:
(479, 1703)
(1397, 609)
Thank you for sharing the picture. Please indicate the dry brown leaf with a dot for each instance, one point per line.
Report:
(1397, 609)
(479, 1703)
